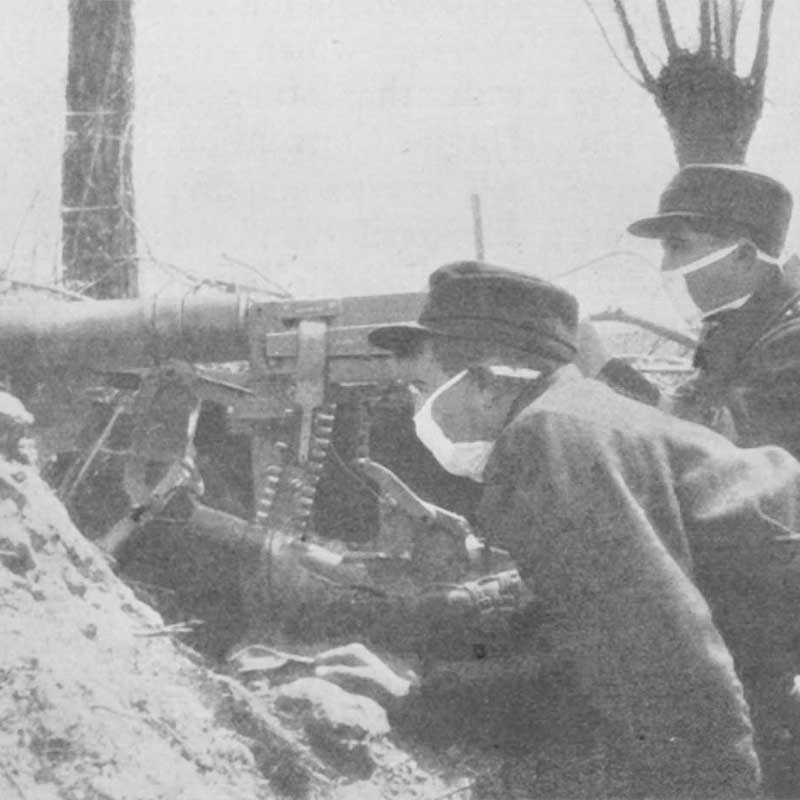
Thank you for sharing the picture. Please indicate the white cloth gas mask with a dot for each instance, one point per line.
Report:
(676, 284)
(465, 459)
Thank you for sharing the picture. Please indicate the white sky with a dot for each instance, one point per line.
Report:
(334, 145)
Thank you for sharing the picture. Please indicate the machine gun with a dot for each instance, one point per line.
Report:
(295, 384)
(303, 358)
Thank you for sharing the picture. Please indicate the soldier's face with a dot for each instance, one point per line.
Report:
(716, 272)
(684, 245)
(422, 372)
(474, 408)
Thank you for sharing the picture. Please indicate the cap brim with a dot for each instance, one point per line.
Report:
(661, 225)
(399, 338)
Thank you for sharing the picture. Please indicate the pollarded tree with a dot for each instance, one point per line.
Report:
(710, 108)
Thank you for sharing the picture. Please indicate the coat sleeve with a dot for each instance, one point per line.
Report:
(743, 506)
(576, 507)
(764, 396)
(628, 381)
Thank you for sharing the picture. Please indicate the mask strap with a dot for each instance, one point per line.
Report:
(522, 373)
(718, 255)
(704, 261)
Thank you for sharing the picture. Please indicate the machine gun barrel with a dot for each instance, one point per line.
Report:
(112, 334)
(201, 326)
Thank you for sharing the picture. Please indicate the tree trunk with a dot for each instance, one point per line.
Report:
(99, 234)
(711, 112)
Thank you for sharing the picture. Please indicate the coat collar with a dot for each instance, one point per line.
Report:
(729, 336)
(563, 374)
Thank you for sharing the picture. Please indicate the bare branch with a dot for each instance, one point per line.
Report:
(620, 315)
(759, 70)
(630, 36)
(716, 42)
(42, 287)
(705, 26)
(667, 29)
(611, 47)
(737, 7)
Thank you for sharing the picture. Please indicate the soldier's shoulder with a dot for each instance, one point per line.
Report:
(582, 409)
(781, 342)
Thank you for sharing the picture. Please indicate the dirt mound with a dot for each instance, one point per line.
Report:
(99, 699)
(96, 701)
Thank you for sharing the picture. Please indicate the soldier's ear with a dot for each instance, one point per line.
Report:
(481, 376)
(746, 252)
(491, 389)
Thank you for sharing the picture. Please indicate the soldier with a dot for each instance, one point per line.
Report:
(629, 524)
(723, 229)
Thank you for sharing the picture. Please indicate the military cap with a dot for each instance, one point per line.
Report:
(732, 195)
(478, 301)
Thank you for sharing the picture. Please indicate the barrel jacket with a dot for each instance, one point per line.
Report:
(619, 516)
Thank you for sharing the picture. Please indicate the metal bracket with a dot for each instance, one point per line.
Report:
(312, 353)
(295, 310)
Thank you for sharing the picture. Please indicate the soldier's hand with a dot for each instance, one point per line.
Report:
(357, 669)
(449, 521)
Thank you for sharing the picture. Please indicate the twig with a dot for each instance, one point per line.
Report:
(18, 232)
(13, 781)
(167, 630)
(115, 265)
(705, 27)
(139, 233)
(70, 483)
(649, 82)
(181, 272)
(119, 712)
(282, 292)
(718, 53)
(167, 730)
(667, 29)
(737, 7)
(54, 289)
(196, 281)
(453, 792)
(759, 70)
(611, 47)
(174, 269)
(619, 315)
(603, 257)
(153, 587)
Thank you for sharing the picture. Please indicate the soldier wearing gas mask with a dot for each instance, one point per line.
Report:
(723, 229)
(630, 525)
